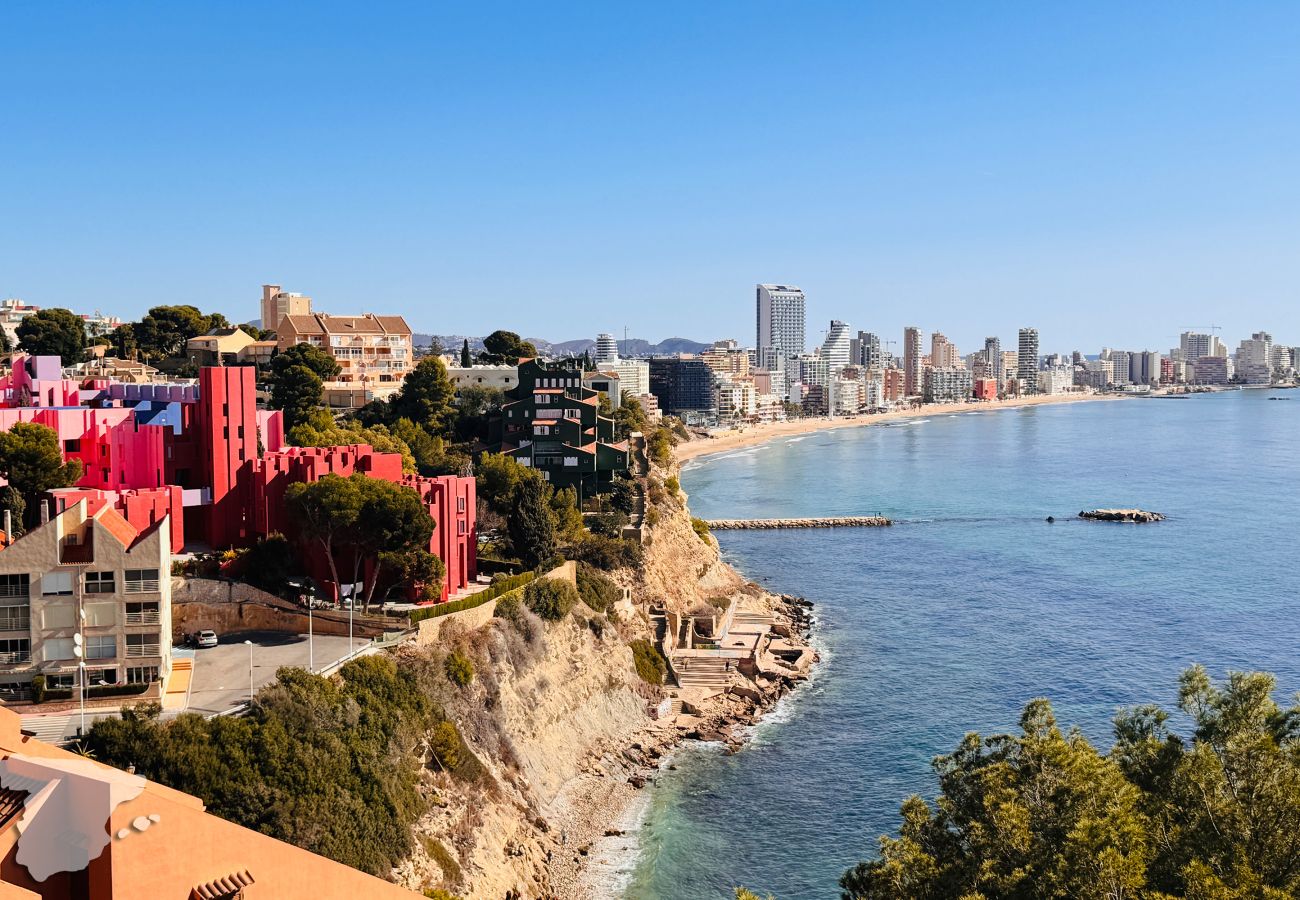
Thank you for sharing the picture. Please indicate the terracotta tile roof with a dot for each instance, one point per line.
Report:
(122, 530)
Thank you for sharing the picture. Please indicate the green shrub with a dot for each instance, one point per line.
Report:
(502, 586)
(444, 745)
(609, 524)
(702, 529)
(607, 553)
(550, 598)
(673, 485)
(439, 894)
(459, 668)
(597, 626)
(509, 607)
(650, 663)
(344, 785)
(596, 590)
(447, 862)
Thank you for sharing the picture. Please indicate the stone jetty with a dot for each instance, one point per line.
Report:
(1122, 515)
(827, 522)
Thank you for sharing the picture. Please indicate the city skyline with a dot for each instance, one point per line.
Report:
(960, 165)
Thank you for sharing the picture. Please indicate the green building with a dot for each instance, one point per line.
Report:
(553, 424)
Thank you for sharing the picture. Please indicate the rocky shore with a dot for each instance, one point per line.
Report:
(599, 812)
(1122, 515)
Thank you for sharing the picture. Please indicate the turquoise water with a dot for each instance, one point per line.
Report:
(973, 604)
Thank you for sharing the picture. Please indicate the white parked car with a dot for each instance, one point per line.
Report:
(207, 639)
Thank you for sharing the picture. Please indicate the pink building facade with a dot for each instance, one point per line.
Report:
(191, 453)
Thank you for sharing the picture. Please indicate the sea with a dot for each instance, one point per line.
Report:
(971, 605)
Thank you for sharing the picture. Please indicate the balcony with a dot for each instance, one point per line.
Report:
(138, 651)
(15, 623)
(18, 657)
(142, 586)
(143, 618)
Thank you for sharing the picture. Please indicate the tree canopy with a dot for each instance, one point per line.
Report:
(505, 348)
(531, 523)
(53, 332)
(314, 358)
(164, 330)
(31, 460)
(427, 396)
(323, 763)
(1213, 815)
(298, 392)
(367, 527)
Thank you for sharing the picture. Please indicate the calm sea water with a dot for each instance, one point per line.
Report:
(973, 604)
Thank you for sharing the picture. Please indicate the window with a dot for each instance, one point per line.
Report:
(59, 682)
(57, 584)
(141, 674)
(101, 646)
(460, 504)
(15, 650)
(142, 614)
(140, 581)
(101, 613)
(16, 617)
(570, 460)
(59, 615)
(142, 645)
(101, 676)
(72, 446)
(58, 649)
(15, 585)
(460, 527)
(100, 583)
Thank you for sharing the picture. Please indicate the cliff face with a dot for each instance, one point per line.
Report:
(552, 721)
(565, 729)
(681, 568)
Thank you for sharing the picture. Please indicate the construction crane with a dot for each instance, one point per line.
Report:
(1210, 328)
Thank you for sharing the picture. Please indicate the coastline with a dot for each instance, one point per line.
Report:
(598, 814)
(753, 435)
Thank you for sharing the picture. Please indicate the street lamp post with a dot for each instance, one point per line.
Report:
(81, 670)
(250, 671)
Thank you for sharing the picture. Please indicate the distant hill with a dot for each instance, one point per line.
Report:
(630, 347)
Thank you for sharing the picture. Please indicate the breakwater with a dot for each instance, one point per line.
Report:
(824, 522)
(1122, 515)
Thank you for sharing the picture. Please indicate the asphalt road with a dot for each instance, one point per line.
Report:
(221, 673)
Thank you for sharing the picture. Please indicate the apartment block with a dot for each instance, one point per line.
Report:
(86, 587)
(278, 303)
(553, 424)
(368, 348)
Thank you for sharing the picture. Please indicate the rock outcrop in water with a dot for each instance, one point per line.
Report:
(1122, 515)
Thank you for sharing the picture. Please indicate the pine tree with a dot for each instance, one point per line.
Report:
(532, 530)
(465, 361)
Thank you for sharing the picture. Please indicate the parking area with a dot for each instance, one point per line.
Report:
(222, 675)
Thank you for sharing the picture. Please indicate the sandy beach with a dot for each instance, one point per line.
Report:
(722, 440)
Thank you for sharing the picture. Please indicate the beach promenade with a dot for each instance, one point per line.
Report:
(722, 440)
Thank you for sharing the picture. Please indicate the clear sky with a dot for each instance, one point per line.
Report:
(1109, 173)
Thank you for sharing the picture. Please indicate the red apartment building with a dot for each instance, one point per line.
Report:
(159, 450)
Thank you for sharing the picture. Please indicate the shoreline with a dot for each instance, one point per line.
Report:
(753, 435)
(600, 812)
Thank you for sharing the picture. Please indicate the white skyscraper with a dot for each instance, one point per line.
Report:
(606, 348)
(1027, 360)
(835, 349)
(781, 322)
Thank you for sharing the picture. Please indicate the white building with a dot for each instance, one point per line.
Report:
(836, 347)
(633, 374)
(947, 385)
(1027, 360)
(781, 324)
(502, 377)
(606, 348)
(86, 596)
(1055, 380)
(1255, 359)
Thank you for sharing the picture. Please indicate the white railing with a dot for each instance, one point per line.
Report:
(144, 586)
(143, 618)
(142, 650)
(16, 657)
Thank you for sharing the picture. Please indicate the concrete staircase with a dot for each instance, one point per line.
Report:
(706, 672)
(751, 622)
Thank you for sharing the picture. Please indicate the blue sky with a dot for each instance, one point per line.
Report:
(1109, 174)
